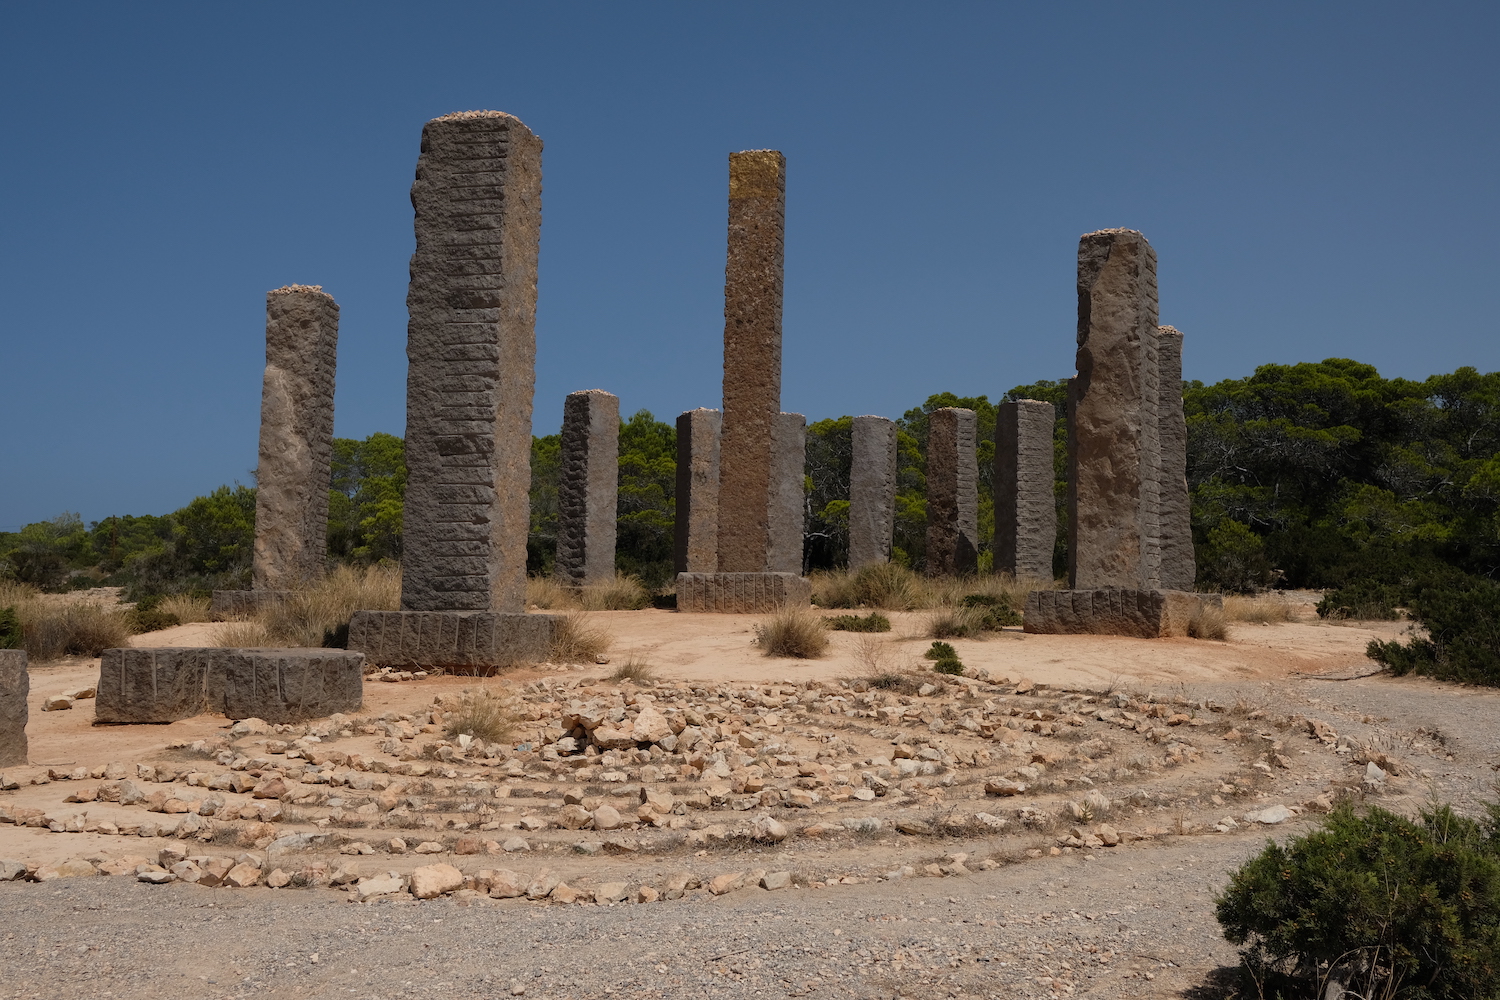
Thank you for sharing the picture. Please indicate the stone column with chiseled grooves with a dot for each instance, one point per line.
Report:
(588, 488)
(1025, 507)
(1178, 566)
(788, 492)
(695, 548)
(872, 491)
(952, 491)
(15, 688)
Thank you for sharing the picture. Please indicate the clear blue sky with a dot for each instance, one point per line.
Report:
(1318, 180)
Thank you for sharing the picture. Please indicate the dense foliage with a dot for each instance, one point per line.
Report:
(1382, 905)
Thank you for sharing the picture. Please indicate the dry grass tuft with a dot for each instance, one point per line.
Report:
(244, 635)
(892, 587)
(1262, 609)
(185, 608)
(635, 670)
(795, 632)
(579, 640)
(316, 615)
(1209, 623)
(956, 623)
(480, 714)
(623, 593)
(547, 594)
(51, 627)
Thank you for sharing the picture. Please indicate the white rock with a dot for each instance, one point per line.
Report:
(1269, 816)
(380, 885)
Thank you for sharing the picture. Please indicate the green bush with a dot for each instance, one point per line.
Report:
(1463, 635)
(1384, 906)
(10, 629)
(872, 622)
(1363, 600)
(997, 611)
(941, 651)
(949, 665)
(143, 618)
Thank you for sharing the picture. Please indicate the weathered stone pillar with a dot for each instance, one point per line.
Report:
(788, 494)
(952, 492)
(588, 488)
(15, 688)
(752, 358)
(1179, 568)
(696, 547)
(872, 491)
(1114, 455)
(471, 353)
(1025, 507)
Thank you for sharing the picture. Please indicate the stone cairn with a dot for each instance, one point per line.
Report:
(952, 492)
(757, 520)
(296, 448)
(872, 491)
(1124, 486)
(1025, 509)
(588, 488)
(471, 350)
(15, 687)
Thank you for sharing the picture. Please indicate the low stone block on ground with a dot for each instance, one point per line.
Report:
(278, 685)
(1145, 614)
(455, 641)
(15, 687)
(741, 593)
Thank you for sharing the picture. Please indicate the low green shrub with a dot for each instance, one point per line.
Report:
(997, 611)
(1463, 635)
(10, 629)
(1380, 905)
(941, 651)
(872, 622)
(1363, 600)
(949, 666)
(149, 616)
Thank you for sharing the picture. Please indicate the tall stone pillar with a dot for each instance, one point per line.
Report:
(15, 688)
(952, 492)
(1025, 507)
(588, 488)
(752, 357)
(696, 545)
(1114, 445)
(872, 491)
(471, 353)
(1179, 568)
(788, 494)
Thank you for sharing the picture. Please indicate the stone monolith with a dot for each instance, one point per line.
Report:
(588, 488)
(1025, 505)
(952, 492)
(696, 544)
(1179, 567)
(15, 689)
(788, 494)
(872, 491)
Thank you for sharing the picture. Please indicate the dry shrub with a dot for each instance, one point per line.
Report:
(1208, 623)
(872, 654)
(244, 635)
(1263, 609)
(636, 670)
(51, 629)
(318, 614)
(547, 594)
(956, 623)
(185, 608)
(905, 682)
(623, 593)
(893, 587)
(480, 714)
(579, 640)
(794, 632)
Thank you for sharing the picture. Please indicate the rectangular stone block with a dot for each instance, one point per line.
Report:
(1025, 504)
(453, 641)
(952, 492)
(788, 494)
(15, 688)
(1179, 567)
(477, 199)
(296, 438)
(588, 488)
(741, 593)
(696, 542)
(1114, 453)
(872, 491)
(154, 685)
(1144, 614)
(285, 685)
(228, 605)
(752, 358)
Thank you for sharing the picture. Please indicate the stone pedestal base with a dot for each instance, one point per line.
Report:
(277, 685)
(1145, 614)
(454, 641)
(230, 604)
(741, 593)
(15, 685)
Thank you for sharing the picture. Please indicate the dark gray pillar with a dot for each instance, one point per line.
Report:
(1025, 508)
(588, 488)
(15, 688)
(696, 548)
(952, 492)
(788, 494)
(1179, 568)
(872, 491)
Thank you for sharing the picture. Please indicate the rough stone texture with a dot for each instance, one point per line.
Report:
(227, 605)
(1114, 456)
(1025, 507)
(1145, 614)
(788, 494)
(588, 488)
(15, 687)
(277, 685)
(1179, 567)
(741, 593)
(454, 641)
(872, 491)
(296, 438)
(752, 358)
(471, 348)
(952, 492)
(696, 546)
